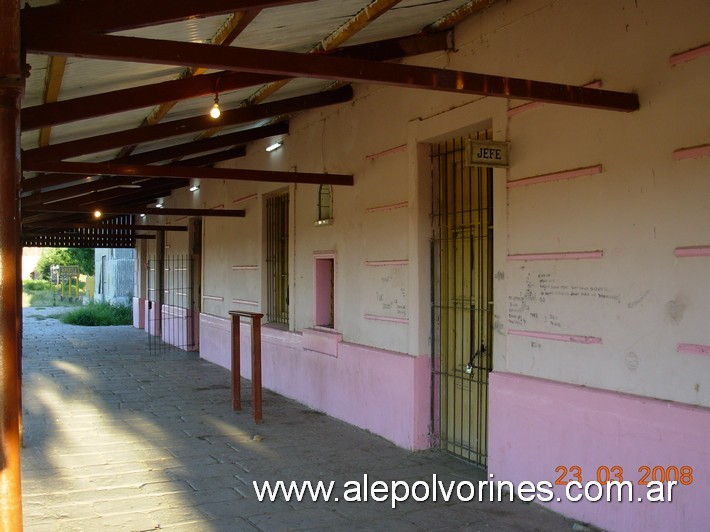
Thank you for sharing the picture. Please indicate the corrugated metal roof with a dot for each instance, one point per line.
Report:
(296, 27)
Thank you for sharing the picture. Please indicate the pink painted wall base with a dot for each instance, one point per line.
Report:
(139, 312)
(382, 391)
(538, 427)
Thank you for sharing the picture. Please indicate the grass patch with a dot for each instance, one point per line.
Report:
(99, 314)
(41, 293)
(35, 285)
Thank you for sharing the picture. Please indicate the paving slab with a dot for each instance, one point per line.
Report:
(119, 436)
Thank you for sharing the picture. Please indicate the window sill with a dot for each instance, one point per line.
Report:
(322, 340)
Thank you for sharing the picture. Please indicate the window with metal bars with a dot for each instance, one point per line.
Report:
(277, 258)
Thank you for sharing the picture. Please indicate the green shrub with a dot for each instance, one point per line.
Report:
(99, 314)
(35, 285)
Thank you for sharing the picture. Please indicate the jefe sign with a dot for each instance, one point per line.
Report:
(487, 153)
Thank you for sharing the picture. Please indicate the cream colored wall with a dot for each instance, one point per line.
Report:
(639, 299)
(636, 211)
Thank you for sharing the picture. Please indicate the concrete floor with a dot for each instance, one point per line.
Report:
(119, 438)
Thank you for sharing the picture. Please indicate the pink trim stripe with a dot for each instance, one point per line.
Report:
(534, 105)
(692, 251)
(388, 207)
(689, 55)
(693, 152)
(220, 206)
(390, 151)
(694, 349)
(245, 302)
(242, 267)
(245, 198)
(556, 176)
(568, 255)
(577, 339)
(403, 262)
(404, 321)
(524, 107)
(213, 298)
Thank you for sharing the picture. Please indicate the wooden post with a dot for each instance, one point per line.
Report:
(256, 401)
(256, 405)
(236, 364)
(11, 89)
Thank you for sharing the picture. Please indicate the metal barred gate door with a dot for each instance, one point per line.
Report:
(462, 298)
(169, 320)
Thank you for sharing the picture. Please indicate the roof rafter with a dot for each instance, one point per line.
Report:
(233, 213)
(154, 156)
(53, 84)
(189, 172)
(188, 125)
(117, 15)
(330, 67)
(230, 30)
(98, 225)
(118, 101)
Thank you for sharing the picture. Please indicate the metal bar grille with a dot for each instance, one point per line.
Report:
(277, 258)
(462, 298)
(170, 320)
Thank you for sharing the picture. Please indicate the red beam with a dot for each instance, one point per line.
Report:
(115, 15)
(292, 64)
(172, 152)
(233, 213)
(186, 126)
(131, 227)
(50, 114)
(188, 172)
(61, 112)
(11, 89)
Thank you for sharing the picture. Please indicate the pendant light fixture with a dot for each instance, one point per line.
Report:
(215, 112)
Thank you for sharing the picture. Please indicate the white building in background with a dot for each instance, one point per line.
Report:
(114, 274)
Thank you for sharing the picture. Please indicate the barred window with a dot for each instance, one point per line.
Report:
(277, 258)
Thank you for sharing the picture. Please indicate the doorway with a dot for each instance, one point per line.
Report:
(462, 297)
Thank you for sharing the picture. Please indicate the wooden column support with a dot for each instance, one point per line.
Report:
(256, 402)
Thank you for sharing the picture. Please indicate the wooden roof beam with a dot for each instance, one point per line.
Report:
(189, 172)
(118, 15)
(98, 225)
(229, 31)
(65, 111)
(53, 84)
(233, 213)
(118, 101)
(164, 154)
(292, 64)
(176, 128)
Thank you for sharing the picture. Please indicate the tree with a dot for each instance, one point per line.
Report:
(82, 257)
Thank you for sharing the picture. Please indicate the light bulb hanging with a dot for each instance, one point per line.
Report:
(215, 112)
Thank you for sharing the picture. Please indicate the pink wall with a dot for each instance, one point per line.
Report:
(152, 317)
(537, 425)
(384, 392)
(177, 327)
(139, 312)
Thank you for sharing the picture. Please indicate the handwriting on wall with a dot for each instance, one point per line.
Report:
(390, 291)
(548, 301)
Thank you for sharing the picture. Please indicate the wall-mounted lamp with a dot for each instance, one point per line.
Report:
(142, 215)
(274, 146)
(194, 188)
(159, 205)
(98, 214)
(215, 112)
